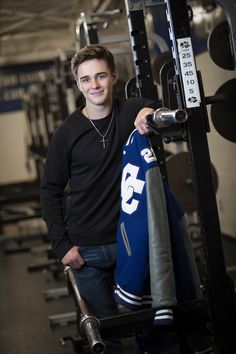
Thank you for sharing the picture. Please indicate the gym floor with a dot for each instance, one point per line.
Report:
(24, 311)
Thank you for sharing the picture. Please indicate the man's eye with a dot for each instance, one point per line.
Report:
(101, 76)
(85, 80)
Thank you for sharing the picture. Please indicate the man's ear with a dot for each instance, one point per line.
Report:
(115, 77)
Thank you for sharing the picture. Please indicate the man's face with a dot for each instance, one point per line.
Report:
(95, 81)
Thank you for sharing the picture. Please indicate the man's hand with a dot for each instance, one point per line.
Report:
(141, 120)
(73, 258)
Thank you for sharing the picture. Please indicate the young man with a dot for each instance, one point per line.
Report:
(85, 155)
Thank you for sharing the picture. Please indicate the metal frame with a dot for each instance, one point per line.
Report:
(143, 69)
(219, 289)
(219, 292)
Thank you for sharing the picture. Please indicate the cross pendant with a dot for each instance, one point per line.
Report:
(103, 141)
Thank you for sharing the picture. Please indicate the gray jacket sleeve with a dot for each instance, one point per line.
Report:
(160, 255)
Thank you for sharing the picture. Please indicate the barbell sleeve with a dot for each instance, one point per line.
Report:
(164, 117)
(89, 325)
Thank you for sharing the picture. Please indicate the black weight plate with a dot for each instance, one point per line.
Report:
(180, 179)
(223, 114)
(158, 63)
(131, 89)
(219, 46)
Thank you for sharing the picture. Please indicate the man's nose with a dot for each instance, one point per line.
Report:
(94, 82)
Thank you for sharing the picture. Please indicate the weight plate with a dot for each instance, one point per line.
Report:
(180, 179)
(158, 63)
(223, 113)
(219, 46)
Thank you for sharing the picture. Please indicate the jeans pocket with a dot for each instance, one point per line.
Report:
(100, 256)
(91, 255)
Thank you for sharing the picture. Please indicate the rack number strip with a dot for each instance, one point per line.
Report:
(189, 73)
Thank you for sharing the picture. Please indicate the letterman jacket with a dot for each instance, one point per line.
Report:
(155, 260)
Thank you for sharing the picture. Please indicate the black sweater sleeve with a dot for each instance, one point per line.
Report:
(54, 181)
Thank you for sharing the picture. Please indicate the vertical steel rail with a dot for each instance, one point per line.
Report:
(143, 68)
(219, 289)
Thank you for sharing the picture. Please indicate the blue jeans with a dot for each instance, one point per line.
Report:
(95, 281)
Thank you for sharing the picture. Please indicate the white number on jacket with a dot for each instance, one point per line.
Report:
(148, 155)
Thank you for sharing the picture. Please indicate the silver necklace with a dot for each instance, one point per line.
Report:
(104, 140)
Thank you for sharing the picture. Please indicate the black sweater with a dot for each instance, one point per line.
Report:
(76, 159)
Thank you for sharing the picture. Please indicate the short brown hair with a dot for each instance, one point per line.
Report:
(90, 52)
